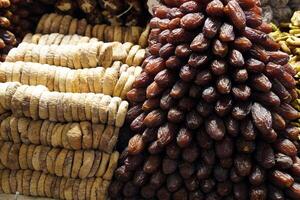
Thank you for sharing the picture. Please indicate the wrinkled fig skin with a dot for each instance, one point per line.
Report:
(215, 120)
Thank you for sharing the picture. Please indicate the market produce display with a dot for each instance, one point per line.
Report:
(63, 104)
(114, 81)
(211, 110)
(84, 55)
(115, 12)
(38, 103)
(59, 162)
(65, 24)
(73, 135)
(36, 183)
(201, 103)
(288, 36)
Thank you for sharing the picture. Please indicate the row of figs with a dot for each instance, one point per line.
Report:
(211, 110)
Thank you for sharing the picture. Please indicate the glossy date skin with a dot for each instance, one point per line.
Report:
(211, 115)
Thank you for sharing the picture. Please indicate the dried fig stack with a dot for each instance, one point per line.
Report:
(211, 111)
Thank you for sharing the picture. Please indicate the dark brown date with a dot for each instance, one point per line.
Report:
(152, 164)
(153, 90)
(241, 92)
(189, 7)
(242, 44)
(186, 170)
(166, 101)
(187, 73)
(166, 50)
(175, 115)
(204, 109)
(236, 14)
(154, 119)
(175, 13)
(200, 43)
(183, 50)
(268, 98)
(155, 65)
(198, 60)
(190, 154)
(265, 155)
(165, 78)
(211, 27)
(174, 182)
(283, 161)
(184, 137)
(218, 67)
(133, 113)
(192, 21)
(203, 78)
(165, 134)
(142, 80)
(240, 75)
(203, 139)
(173, 151)
(163, 194)
(179, 89)
(223, 85)
(150, 104)
(140, 178)
(281, 179)
(215, 127)
(223, 106)
(236, 58)
(173, 62)
(137, 125)
(257, 176)
(232, 126)
(210, 94)
(136, 145)
(193, 120)
(215, 8)
(169, 166)
(136, 95)
(241, 110)
(286, 147)
(254, 65)
(224, 148)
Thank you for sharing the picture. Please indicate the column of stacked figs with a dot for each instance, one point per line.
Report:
(62, 104)
(211, 109)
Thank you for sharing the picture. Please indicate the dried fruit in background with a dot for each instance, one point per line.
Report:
(16, 20)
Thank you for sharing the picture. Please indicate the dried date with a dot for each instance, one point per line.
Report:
(192, 21)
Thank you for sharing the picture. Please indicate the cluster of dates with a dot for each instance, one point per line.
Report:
(211, 110)
(17, 18)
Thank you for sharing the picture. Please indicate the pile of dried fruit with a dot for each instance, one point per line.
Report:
(288, 36)
(279, 10)
(115, 12)
(16, 19)
(211, 111)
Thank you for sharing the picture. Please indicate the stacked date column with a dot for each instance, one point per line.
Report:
(211, 110)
